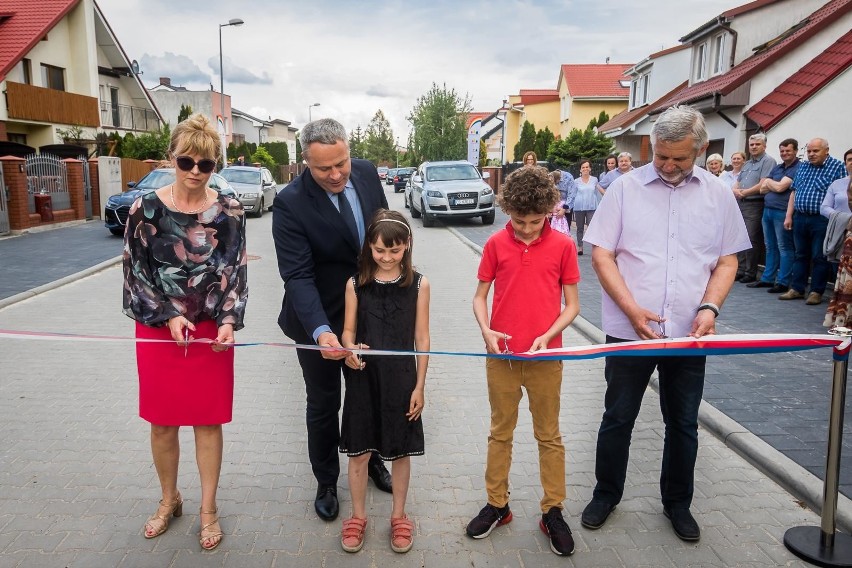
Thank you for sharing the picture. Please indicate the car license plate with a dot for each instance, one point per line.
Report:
(464, 201)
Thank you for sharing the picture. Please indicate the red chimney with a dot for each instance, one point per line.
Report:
(166, 81)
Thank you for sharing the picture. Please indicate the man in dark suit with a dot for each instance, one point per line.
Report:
(318, 224)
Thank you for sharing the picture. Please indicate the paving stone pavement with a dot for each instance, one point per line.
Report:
(783, 398)
(77, 483)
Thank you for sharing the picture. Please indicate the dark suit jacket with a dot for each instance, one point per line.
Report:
(316, 252)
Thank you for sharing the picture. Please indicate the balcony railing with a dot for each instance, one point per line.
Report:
(128, 117)
(28, 102)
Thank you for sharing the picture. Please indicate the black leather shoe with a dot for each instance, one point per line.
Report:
(747, 279)
(326, 504)
(778, 289)
(595, 514)
(759, 284)
(684, 524)
(738, 277)
(380, 475)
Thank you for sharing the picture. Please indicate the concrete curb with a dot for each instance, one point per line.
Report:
(795, 479)
(6, 302)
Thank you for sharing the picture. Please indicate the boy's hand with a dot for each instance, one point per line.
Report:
(415, 407)
(539, 343)
(493, 340)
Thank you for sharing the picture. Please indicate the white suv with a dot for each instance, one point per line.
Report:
(449, 189)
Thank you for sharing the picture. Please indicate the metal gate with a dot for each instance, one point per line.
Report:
(87, 186)
(46, 175)
(4, 208)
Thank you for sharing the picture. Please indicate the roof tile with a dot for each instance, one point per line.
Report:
(596, 79)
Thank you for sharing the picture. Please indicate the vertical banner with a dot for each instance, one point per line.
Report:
(473, 142)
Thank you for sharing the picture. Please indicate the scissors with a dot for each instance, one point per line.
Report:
(185, 340)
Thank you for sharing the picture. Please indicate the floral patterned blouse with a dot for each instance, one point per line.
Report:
(190, 265)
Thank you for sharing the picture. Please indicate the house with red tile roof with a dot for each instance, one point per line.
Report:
(63, 70)
(584, 90)
(539, 107)
(652, 80)
(779, 66)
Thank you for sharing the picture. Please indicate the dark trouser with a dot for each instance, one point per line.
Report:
(780, 252)
(681, 387)
(322, 385)
(752, 212)
(808, 236)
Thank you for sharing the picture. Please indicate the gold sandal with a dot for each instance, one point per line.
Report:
(175, 509)
(212, 534)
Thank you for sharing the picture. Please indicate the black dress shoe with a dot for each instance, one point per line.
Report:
(778, 289)
(759, 284)
(326, 504)
(595, 514)
(379, 474)
(738, 277)
(684, 524)
(747, 279)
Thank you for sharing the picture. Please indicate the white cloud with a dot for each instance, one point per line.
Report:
(357, 57)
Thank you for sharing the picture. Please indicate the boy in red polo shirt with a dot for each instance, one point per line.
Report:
(533, 269)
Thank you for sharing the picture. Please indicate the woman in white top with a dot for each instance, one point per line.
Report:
(836, 195)
(585, 201)
(730, 177)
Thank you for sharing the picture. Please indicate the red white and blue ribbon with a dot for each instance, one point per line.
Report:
(736, 344)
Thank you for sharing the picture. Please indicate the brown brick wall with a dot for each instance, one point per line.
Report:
(15, 177)
(76, 191)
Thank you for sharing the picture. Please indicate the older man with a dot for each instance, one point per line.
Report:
(625, 164)
(809, 187)
(778, 238)
(668, 205)
(318, 226)
(747, 191)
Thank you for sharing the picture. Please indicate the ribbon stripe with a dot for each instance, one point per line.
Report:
(735, 344)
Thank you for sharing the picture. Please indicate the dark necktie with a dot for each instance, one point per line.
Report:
(348, 215)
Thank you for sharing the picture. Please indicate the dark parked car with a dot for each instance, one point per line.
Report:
(401, 178)
(118, 206)
(389, 176)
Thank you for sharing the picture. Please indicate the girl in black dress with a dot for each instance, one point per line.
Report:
(387, 307)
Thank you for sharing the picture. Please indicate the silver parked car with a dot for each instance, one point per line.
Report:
(255, 187)
(449, 190)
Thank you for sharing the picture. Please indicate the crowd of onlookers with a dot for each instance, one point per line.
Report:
(796, 212)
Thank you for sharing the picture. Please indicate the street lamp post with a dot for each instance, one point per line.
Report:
(231, 22)
(309, 110)
(397, 151)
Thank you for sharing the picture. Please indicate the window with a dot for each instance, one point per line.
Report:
(634, 93)
(27, 71)
(640, 89)
(53, 77)
(646, 89)
(564, 104)
(719, 54)
(700, 64)
(17, 138)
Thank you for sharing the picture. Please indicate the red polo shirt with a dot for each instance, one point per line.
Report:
(528, 282)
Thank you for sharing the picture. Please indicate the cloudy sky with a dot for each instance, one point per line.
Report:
(356, 57)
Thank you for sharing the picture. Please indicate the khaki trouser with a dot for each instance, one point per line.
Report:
(543, 382)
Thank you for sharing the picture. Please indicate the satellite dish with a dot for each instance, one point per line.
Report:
(134, 66)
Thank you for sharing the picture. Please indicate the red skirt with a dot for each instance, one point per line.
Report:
(196, 390)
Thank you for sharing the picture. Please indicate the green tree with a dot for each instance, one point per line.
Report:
(264, 158)
(356, 143)
(148, 146)
(602, 118)
(543, 140)
(579, 145)
(298, 149)
(185, 112)
(526, 142)
(483, 153)
(378, 140)
(278, 150)
(439, 125)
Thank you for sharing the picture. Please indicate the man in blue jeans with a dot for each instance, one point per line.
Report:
(778, 238)
(809, 186)
(648, 295)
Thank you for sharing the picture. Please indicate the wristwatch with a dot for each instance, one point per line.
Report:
(709, 306)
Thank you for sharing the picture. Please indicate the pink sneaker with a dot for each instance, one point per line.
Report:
(402, 534)
(352, 538)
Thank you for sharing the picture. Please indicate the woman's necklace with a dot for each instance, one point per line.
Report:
(194, 211)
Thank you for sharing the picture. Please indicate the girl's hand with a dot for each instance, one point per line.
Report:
(224, 338)
(177, 327)
(415, 407)
(353, 360)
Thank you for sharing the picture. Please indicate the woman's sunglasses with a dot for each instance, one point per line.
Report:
(186, 164)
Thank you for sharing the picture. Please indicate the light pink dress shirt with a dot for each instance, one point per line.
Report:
(667, 242)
